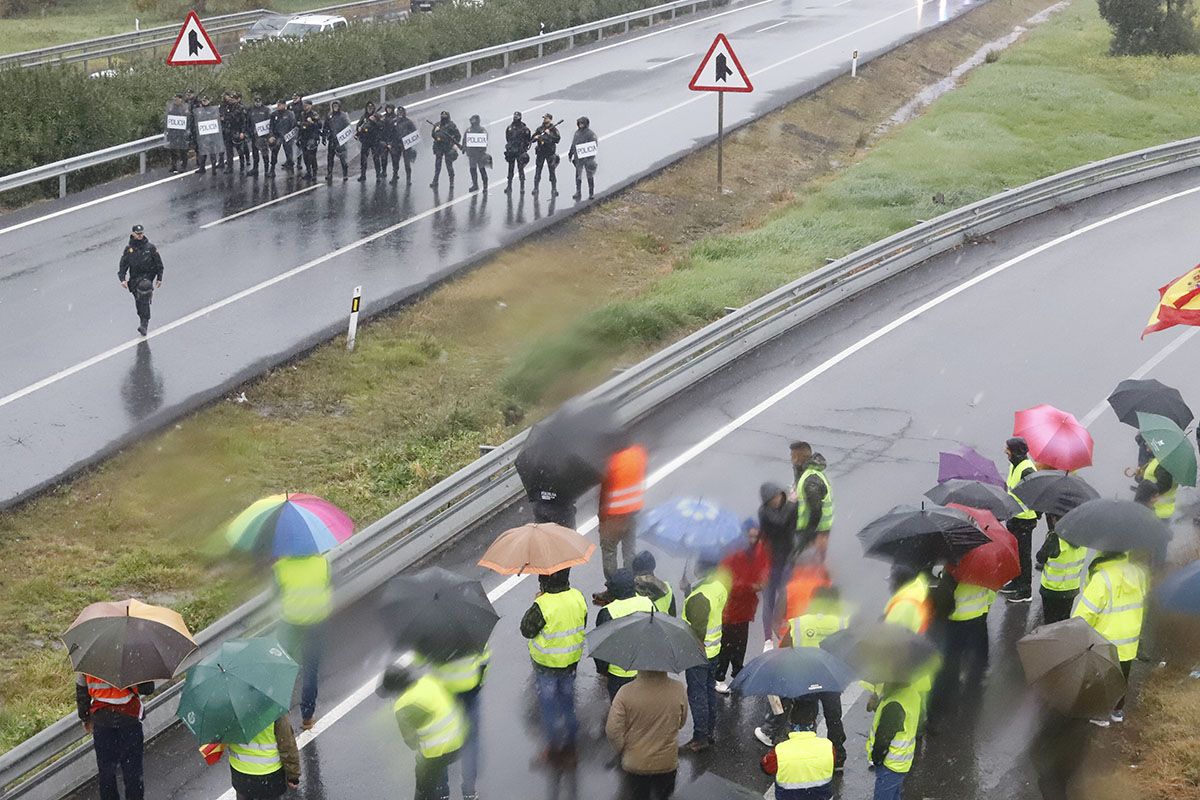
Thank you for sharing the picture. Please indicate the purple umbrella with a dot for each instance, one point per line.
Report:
(968, 465)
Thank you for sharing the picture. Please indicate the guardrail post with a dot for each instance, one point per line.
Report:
(571, 42)
(62, 185)
(141, 163)
(382, 95)
(599, 34)
(468, 69)
(506, 60)
(428, 81)
(672, 12)
(541, 52)
(627, 24)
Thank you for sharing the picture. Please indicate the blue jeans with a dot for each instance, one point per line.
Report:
(702, 699)
(888, 785)
(303, 643)
(774, 595)
(470, 748)
(556, 696)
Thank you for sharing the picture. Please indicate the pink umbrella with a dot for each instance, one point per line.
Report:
(1054, 437)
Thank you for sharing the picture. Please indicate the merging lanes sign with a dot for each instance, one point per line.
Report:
(193, 47)
(721, 72)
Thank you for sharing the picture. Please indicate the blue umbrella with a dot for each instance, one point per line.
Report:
(692, 525)
(794, 672)
(1180, 591)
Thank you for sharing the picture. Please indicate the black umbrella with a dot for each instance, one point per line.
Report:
(975, 494)
(882, 652)
(1113, 525)
(1052, 491)
(794, 672)
(1152, 397)
(710, 787)
(650, 641)
(921, 535)
(567, 452)
(441, 615)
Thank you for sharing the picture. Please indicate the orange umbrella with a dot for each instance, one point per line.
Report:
(541, 548)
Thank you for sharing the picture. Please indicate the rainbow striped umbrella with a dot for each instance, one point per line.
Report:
(289, 525)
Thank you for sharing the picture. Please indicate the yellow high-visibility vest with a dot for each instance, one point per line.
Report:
(623, 608)
(443, 728)
(1014, 477)
(825, 523)
(804, 761)
(1164, 504)
(716, 594)
(259, 756)
(305, 589)
(560, 642)
(1061, 573)
(903, 748)
(1114, 603)
(971, 602)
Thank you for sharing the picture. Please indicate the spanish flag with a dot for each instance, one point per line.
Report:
(1178, 304)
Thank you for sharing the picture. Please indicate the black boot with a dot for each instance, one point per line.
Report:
(508, 188)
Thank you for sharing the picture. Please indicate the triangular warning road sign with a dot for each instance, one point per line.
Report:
(720, 71)
(192, 46)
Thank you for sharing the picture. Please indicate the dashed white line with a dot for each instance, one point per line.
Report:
(524, 113)
(771, 27)
(18, 226)
(668, 61)
(252, 209)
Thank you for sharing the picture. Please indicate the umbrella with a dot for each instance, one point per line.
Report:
(1132, 396)
(1052, 491)
(794, 672)
(567, 452)
(1180, 591)
(441, 615)
(710, 787)
(1170, 446)
(1054, 437)
(541, 548)
(128, 642)
(1073, 668)
(921, 535)
(289, 525)
(692, 525)
(968, 465)
(882, 652)
(235, 693)
(1113, 525)
(993, 564)
(644, 640)
(975, 494)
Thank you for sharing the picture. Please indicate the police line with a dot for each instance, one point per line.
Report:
(57, 760)
(507, 51)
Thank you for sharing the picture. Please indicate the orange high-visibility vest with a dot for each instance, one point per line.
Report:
(803, 583)
(624, 487)
(104, 692)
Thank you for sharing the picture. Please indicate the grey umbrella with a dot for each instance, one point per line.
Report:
(1073, 669)
(650, 641)
(1113, 525)
(976, 494)
(1052, 491)
(883, 652)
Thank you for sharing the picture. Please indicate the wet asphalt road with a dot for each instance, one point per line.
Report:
(1059, 325)
(246, 288)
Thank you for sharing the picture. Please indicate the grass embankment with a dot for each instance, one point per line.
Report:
(483, 355)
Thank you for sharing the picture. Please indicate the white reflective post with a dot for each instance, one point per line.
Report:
(353, 330)
(854, 64)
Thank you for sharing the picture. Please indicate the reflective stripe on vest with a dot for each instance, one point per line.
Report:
(909, 606)
(444, 729)
(1116, 597)
(663, 603)
(463, 674)
(715, 592)
(560, 642)
(805, 761)
(809, 630)
(903, 748)
(259, 756)
(1061, 573)
(305, 592)
(624, 487)
(1014, 477)
(623, 608)
(1164, 504)
(971, 602)
(802, 510)
(105, 692)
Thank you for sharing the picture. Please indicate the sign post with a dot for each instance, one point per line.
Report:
(353, 330)
(854, 65)
(720, 72)
(192, 46)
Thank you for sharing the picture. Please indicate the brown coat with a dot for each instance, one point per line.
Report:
(644, 722)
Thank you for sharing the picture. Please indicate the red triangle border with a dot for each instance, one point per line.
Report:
(749, 87)
(216, 59)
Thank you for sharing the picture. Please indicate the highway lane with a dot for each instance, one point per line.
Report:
(1050, 312)
(245, 290)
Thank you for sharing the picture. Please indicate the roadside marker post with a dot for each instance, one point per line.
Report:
(854, 64)
(720, 72)
(352, 332)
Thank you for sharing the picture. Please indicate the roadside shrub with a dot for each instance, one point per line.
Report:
(1150, 27)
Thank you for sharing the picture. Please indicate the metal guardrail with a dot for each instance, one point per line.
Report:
(504, 52)
(160, 36)
(487, 485)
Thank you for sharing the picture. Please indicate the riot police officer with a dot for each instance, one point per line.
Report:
(369, 133)
(177, 132)
(310, 139)
(477, 155)
(141, 272)
(389, 138)
(404, 129)
(331, 134)
(283, 133)
(258, 132)
(517, 139)
(446, 141)
(583, 136)
(546, 139)
(235, 128)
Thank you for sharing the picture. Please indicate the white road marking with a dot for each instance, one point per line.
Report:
(1142, 371)
(524, 113)
(439, 97)
(770, 27)
(668, 61)
(252, 209)
(657, 476)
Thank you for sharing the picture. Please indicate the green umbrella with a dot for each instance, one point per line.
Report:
(234, 694)
(1170, 446)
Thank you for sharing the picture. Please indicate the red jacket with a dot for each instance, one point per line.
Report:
(745, 571)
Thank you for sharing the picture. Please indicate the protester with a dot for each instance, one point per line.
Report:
(113, 716)
(624, 601)
(702, 612)
(622, 493)
(825, 616)
(554, 626)
(305, 600)
(892, 744)
(1020, 588)
(1061, 564)
(814, 498)
(643, 723)
(463, 677)
(803, 763)
(965, 649)
(650, 585)
(268, 765)
(777, 529)
(431, 723)
(745, 572)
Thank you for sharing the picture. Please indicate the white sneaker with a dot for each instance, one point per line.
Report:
(722, 687)
(1100, 723)
(1117, 716)
(762, 736)
(768, 646)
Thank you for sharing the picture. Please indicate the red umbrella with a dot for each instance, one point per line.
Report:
(993, 564)
(1054, 437)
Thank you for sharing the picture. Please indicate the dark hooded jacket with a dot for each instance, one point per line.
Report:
(140, 260)
(777, 526)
